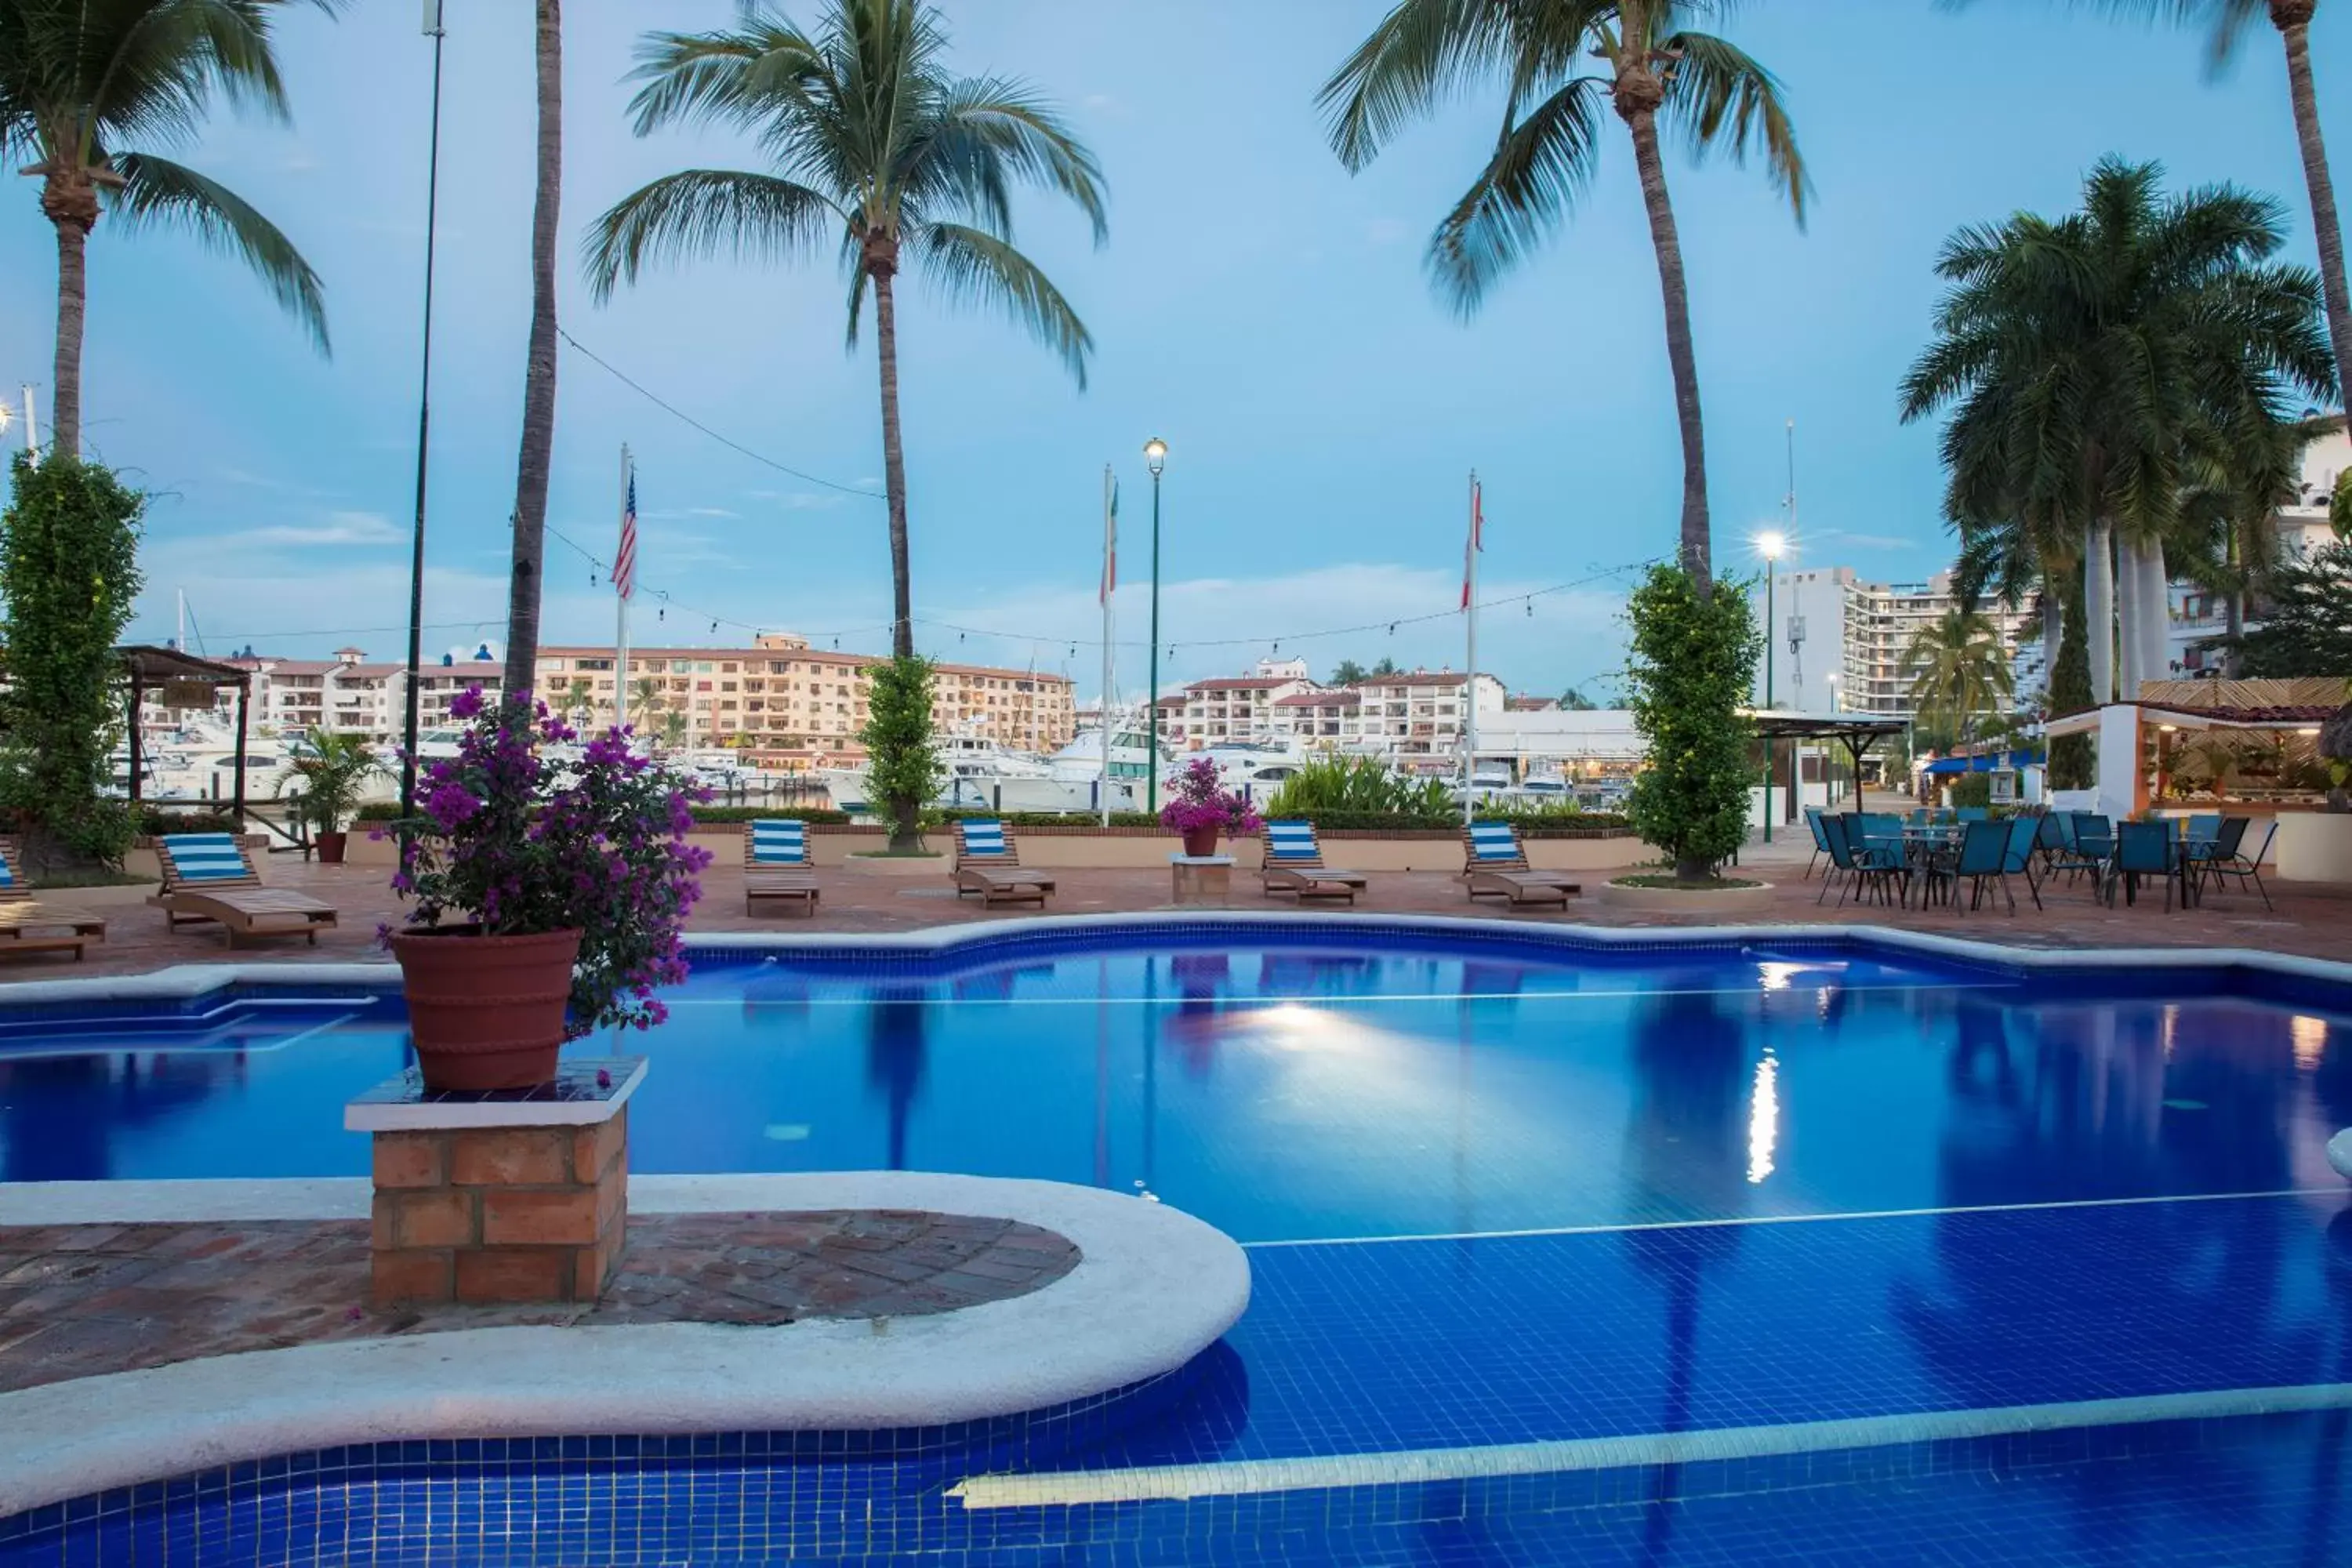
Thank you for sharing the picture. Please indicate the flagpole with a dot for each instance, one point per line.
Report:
(1109, 587)
(621, 613)
(1470, 681)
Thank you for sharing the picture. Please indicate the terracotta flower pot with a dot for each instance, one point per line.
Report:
(486, 1012)
(1199, 841)
(331, 847)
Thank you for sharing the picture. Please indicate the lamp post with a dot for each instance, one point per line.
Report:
(1155, 458)
(1771, 546)
(424, 437)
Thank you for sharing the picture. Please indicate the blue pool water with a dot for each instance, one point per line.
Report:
(1496, 1193)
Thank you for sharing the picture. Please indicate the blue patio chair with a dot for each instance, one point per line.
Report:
(1861, 871)
(2233, 861)
(1821, 840)
(1976, 814)
(2204, 827)
(1984, 847)
(2049, 839)
(2024, 835)
(2144, 850)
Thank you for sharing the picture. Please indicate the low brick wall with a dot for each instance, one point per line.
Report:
(483, 1215)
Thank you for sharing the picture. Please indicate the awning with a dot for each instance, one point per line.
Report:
(1987, 763)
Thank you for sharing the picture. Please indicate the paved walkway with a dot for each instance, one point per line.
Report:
(857, 899)
(79, 1300)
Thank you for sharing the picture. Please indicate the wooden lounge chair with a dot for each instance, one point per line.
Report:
(207, 876)
(987, 862)
(1294, 864)
(27, 925)
(776, 866)
(1498, 868)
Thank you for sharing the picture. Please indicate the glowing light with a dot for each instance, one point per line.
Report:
(1776, 976)
(2310, 1037)
(1763, 1119)
(1771, 545)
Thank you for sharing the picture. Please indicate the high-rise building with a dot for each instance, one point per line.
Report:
(787, 705)
(1841, 644)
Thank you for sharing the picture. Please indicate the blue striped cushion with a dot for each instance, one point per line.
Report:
(779, 842)
(1494, 841)
(1291, 841)
(7, 873)
(204, 856)
(983, 837)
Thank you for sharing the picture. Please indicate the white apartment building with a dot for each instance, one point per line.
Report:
(2302, 527)
(344, 695)
(1409, 714)
(1839, 643)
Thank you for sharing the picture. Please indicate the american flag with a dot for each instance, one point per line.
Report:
(1478, 537)
(624, 566)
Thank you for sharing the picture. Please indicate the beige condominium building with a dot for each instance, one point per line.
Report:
(784, 704)
(1840, 645)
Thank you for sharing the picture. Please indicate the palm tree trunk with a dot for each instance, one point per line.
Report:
(72, 207)
(2294, 20)
(882, 264)
(538, 376)
(2054, 627)
(1696, 545)
(2233, 611)
(2156, 614)
(2099, 609)
(2129, 642)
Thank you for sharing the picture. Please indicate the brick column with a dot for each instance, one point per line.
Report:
(479, 1200)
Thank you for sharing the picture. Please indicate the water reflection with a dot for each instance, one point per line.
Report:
(897, 1024)
(59, 1116)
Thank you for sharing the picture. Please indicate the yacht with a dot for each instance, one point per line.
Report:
(1255, 769)
(978, 774)
(1132, 763)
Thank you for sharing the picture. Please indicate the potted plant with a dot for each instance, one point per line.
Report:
(330, 769)
(1200, 807)
(549, 897)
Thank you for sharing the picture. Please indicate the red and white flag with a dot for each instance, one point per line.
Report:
(625, 563)
(1477, 541)
(1110, 547)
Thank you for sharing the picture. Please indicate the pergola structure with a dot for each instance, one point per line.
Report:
(149, 669)
(1857, 732)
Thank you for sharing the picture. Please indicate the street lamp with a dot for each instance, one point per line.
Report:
(1155, 458)
(1771, 546)
(434, 30)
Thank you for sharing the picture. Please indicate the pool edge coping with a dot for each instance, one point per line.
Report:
(1153, 1288)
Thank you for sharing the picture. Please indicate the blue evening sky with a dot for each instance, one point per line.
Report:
(1259, 308)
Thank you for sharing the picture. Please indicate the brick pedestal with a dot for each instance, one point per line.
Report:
(485, 1199)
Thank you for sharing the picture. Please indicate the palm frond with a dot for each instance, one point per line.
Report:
(729, 78)
(700, 213)
(1718, 96)
(1420, 53)
(156, 191)
(984, 132)
(2225, 20)
(1541, 167)
(970, 264)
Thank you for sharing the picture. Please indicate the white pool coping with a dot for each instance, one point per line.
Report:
(1152, 1289)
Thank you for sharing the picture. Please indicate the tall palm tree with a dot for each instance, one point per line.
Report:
(877, 144)
(2228, 21)
(1959, 670)
(1652, 64)
(538, 454)
(2085, 357)
(87, 88)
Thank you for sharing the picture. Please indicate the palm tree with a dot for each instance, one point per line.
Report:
(538, 454)
(2228, 20)
(1651, 63)
(2088, 359)
(1959, 669)
(1347, 672)
(877, 144)
(85, 88)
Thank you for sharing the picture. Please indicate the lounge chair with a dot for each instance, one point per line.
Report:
(27, 925)
(776, 866)
(1294, 865)
(1498, 868)
(987, 862)
(207, 876)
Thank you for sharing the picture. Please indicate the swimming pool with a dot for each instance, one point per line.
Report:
(1525, 1215)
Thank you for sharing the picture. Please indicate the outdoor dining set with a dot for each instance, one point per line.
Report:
(1932, 855)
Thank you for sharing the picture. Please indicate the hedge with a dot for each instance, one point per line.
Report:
(155, 821)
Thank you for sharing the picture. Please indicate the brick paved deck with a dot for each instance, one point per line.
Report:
(78, 1300)
(860, 900)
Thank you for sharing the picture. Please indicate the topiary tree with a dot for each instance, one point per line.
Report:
(902, 769)
(68, 570)
(1693, 665)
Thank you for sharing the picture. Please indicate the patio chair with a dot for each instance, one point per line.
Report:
(207, 876)
(27, 925)
(2233, 861)
(1496, 868)
(2089, 847)
(988, 862)
(2144, 850)
(2049, 841)
(1866, 871)
(776, 866)
(1983, 858)
(1294, 865)
(1975, 813)
(1813, 815)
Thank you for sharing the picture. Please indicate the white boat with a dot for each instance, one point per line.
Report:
(1131, 762)
(980, 775)
(1255, 769)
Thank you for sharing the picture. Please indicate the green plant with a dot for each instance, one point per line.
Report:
(884, 156)
(1968, 789)
(1330, 787)
(1958, 672)
(83, 86)
(902, 766)
(719, 816)
(1693, 665)
(2307, 629)
(1652, 69)
(70, 572)
(330, 768)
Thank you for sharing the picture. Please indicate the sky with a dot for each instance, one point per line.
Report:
(1257, 306)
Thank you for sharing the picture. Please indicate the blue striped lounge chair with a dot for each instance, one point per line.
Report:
(209, 878)
(988, 862)
(1496, 868)
(27, 925)
(1294, 864)
(776, 866)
